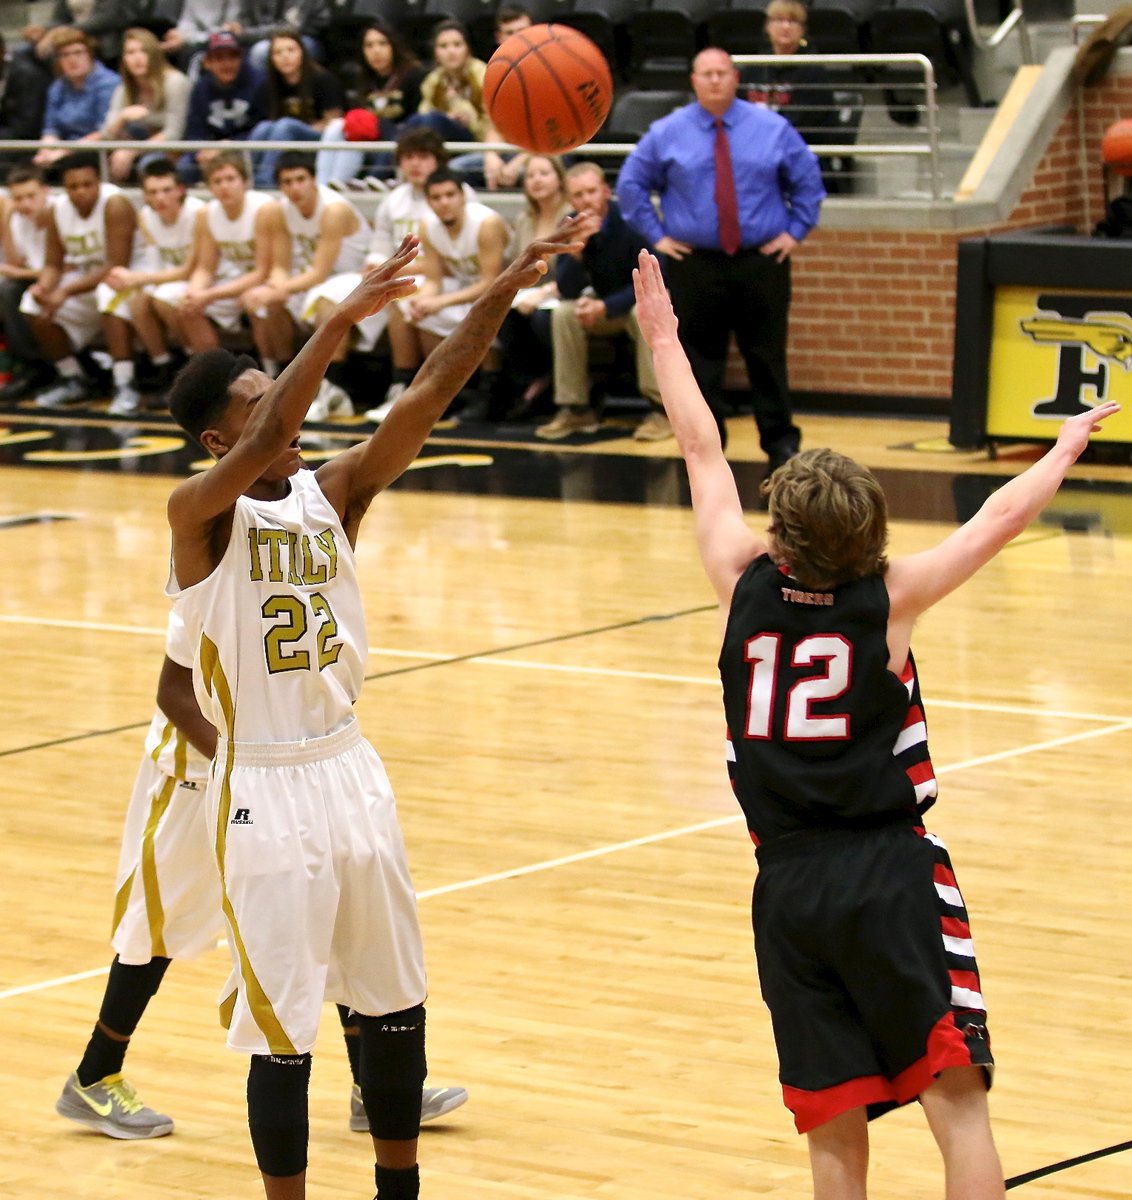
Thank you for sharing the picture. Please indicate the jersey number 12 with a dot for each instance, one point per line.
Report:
(764, 652)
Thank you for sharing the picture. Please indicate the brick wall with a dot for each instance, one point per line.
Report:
(874, 311)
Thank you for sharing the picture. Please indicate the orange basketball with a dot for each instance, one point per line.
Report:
(1116, 147)
(547, 89)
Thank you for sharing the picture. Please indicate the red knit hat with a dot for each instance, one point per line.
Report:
(361, 125)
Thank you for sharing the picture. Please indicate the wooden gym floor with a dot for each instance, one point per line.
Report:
(543, 691)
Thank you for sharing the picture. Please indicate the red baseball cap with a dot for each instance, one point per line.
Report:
(223, 39)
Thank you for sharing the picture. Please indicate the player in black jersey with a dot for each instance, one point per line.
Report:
(864, 952)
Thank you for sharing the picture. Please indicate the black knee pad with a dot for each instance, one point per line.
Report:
(128, 990)
(392, 1072)
(277, 1112)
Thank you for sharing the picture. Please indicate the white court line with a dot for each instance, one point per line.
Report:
(566, 668)
(649, 839)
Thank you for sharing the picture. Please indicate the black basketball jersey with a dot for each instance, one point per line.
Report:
(821, 734)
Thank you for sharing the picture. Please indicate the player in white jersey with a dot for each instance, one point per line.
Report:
(24, 239)
(161, 267)
(90, 230)
(231, 253)
(316, 889)
(167, 906)
(315, 233)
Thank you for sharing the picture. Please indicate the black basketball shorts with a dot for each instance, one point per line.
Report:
(867, 966)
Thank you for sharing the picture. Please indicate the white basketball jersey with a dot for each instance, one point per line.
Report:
(460, 254)
(278, 629)
(83, 238)
(164, 743)
(165, 246)
(399, 214)
(236, 238)
(306, 231)
(29, 239)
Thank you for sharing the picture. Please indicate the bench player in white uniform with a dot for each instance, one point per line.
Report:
(90, 230)
(316, 233)
(167, 906)
(317, 892)
(463, 247)
(162, 262)
(231, 253)
(24, 239)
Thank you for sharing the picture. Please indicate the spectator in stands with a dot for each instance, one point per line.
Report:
(24, 81)
(525, 361)
(463, 248)
(452, 93)
(166, 225)
(596, 286)
(315, 233)
(383, 90)
(225, 102)
(103, 21)
(231, 253)
(262, 18)
(90, 228)
(739, 189)
(150, 105)
(199, 20)
(300, 100)
(78, 99)
(803, 95)
(24, 238)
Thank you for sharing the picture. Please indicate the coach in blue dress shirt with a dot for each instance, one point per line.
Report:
(739, 283)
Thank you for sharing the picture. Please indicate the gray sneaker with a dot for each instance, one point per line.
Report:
(59, 395)
(435, 1102)
(111, 1106)
(127, 402)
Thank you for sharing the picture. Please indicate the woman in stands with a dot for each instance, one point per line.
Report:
(300, 97)
(149, 105)
(382, 90)
(452, 93)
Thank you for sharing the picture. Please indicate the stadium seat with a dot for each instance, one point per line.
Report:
(632, 113)
(738, 27)
(664, 36)
(421, 17)
(604, 21)
(341, 36)
(934, 28)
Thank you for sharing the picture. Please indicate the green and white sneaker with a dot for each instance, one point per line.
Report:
(435, 1102)
(111, 1106)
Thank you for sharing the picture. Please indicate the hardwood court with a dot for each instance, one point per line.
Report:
(544, 694)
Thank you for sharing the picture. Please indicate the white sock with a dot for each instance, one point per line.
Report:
(272, 367)
(123, 373)
(159, 360)
(69, 367)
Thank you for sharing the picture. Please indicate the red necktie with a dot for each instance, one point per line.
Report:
(725, 198)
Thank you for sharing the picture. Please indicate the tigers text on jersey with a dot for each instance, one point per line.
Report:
(306, 231)
(820, 732)
(278, 629)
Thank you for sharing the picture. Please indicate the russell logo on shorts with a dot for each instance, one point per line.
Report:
(243, 817)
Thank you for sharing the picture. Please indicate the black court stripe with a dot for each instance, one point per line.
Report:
(1041, 1172)
(425, 666)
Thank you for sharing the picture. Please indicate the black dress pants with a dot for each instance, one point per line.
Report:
(748, 294)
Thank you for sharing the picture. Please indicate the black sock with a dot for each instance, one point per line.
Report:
(336, 373)
(404, 374)
(104, 1056)
(352, 1035)
(397, 1183)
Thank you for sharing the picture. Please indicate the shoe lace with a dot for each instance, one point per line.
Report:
(124, 1095)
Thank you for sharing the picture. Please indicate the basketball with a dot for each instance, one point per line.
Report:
(1116, 147)
(547, 89)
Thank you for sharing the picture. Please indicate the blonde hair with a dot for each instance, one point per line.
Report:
(828, 519)
(156, 67)
(787, 8)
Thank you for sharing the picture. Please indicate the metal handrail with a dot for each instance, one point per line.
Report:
(931, 105)
(1015, 19)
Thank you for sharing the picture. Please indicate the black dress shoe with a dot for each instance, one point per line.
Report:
(777, 455)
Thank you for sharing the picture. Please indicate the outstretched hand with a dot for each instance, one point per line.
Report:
(383, 284)
(1075, 432)
(655, 314)
(569, 237)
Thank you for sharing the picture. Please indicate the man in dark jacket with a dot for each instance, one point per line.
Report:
(24, 82)
(225, 103)
(596, 289)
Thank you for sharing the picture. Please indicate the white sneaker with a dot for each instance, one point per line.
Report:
(67, 391)
(330, 401)
(435, 1102)
(127, 402)
(395, 392)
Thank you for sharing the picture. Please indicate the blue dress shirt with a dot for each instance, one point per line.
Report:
(777, 177)
(73, 112)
